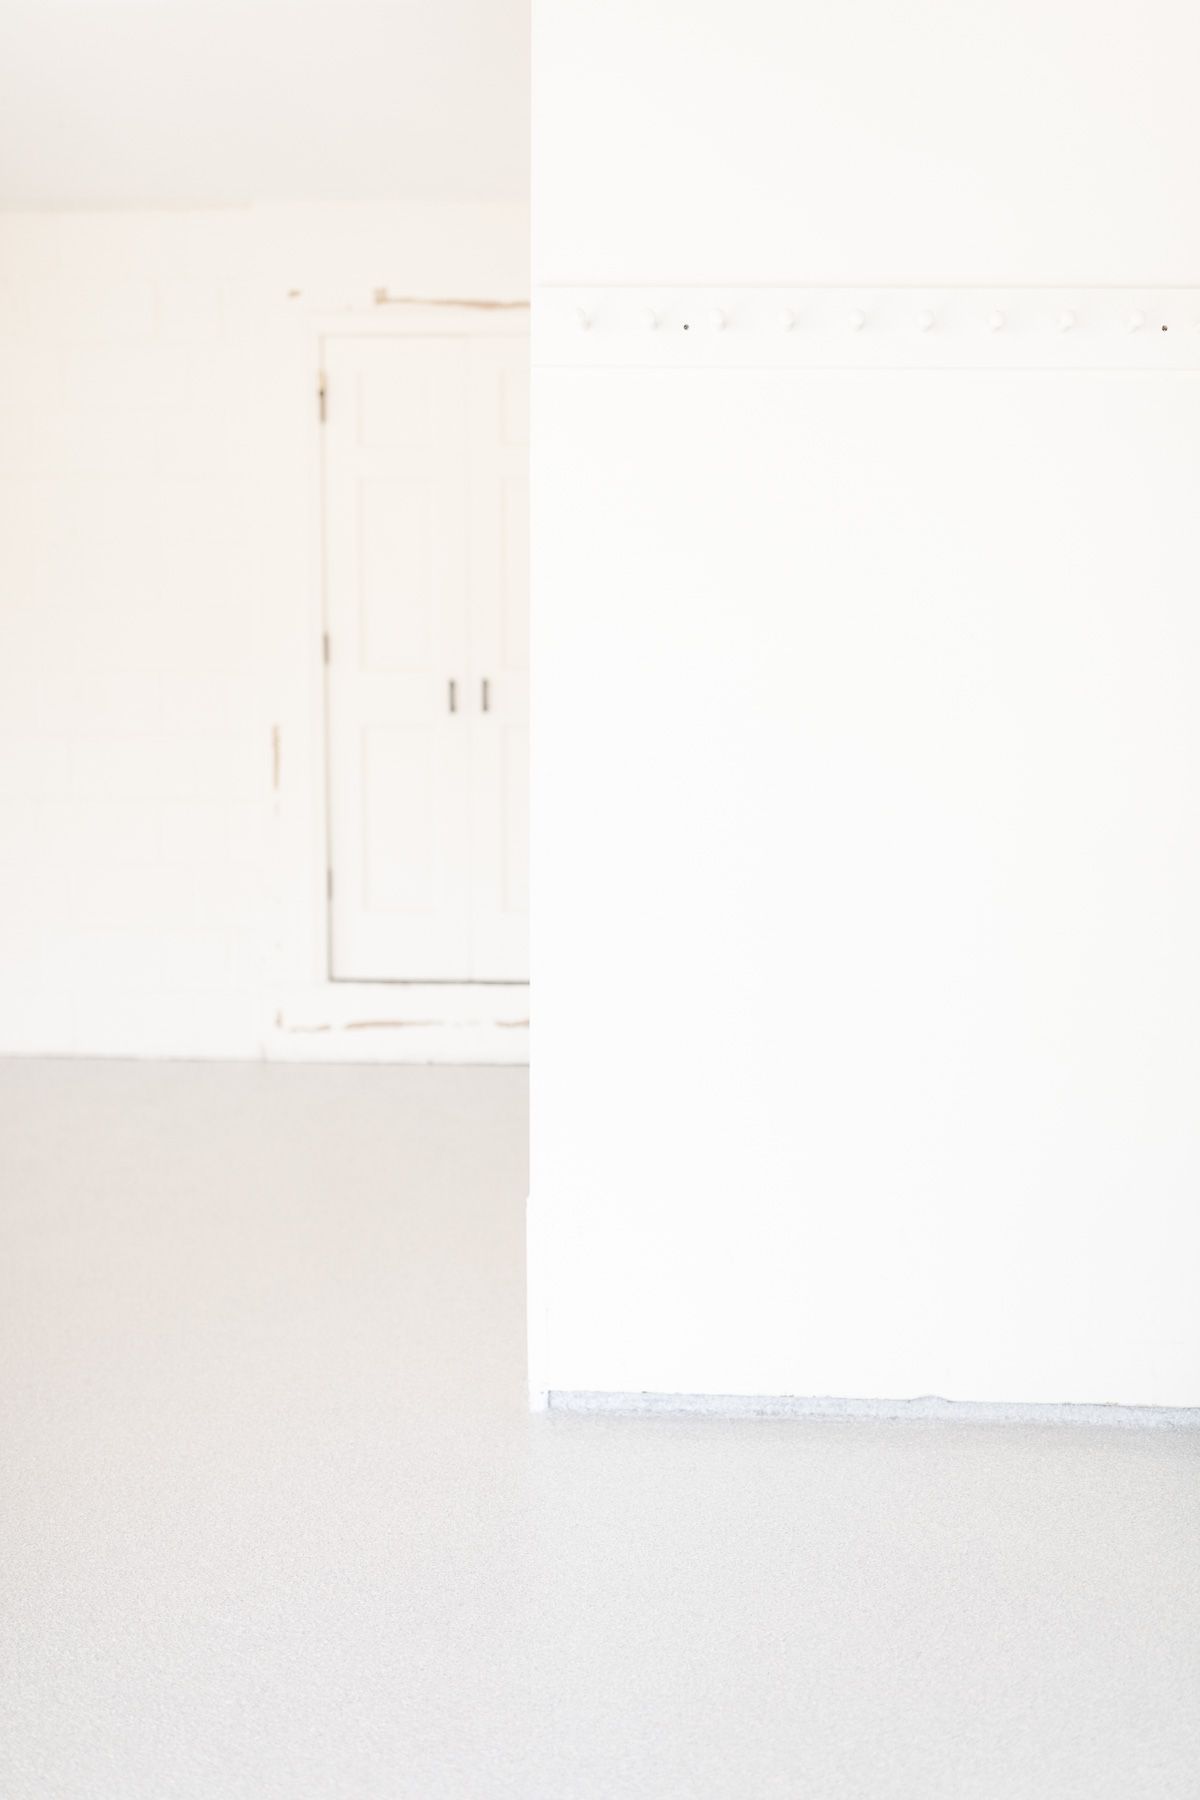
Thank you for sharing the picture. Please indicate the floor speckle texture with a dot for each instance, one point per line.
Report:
(275, 1521)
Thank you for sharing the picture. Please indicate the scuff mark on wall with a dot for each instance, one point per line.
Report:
(381, 297)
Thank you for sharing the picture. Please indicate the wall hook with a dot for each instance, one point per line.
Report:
(1135, 321)
(717, 319)
(1066, 319)
(925, 320)
(787, 319)
(650, 317)
(583, 318)
(857, 319)
(996, 320)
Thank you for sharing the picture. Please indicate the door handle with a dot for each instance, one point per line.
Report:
(485, 695)
(452, 695)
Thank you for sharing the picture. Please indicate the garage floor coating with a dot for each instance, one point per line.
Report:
(275, 1520)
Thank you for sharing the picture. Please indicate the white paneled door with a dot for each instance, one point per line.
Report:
(427, 585)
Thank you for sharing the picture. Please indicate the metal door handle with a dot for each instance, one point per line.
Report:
(485, 695)
(452, 696)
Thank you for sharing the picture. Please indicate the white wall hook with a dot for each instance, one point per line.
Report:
(650, 319)
(583, 318)
(787, 319)
(1066, 319)
(857, 319)
(717, 319)
(996, 320)
(1135, 321)
(925, 320)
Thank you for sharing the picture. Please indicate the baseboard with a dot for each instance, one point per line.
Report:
(929, 1407)
(414, 1022)
(399, 1043)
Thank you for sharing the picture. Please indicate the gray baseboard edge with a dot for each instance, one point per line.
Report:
(929, 1407)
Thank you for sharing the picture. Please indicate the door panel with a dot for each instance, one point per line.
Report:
(398, 525)
(400, 770)
(426, 534)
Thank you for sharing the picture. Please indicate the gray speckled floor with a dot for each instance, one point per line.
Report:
(275, 1521)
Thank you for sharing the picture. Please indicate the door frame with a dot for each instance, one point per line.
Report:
(314, 1017)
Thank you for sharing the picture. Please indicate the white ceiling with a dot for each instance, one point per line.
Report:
(203, 102)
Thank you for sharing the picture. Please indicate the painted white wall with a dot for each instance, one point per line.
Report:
(228, 102)
(159, 890)
(865, 867)
(939, 141)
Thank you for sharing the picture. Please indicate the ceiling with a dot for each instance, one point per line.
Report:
(214, 102)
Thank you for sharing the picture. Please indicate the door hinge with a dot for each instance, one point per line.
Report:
(321, 393)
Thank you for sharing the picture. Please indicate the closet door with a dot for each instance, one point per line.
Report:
(398, 523)
(427, 596)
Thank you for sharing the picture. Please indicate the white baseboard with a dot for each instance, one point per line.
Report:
(318, 1022)
(442, 1043)
(930, 1407)
(404, 1022)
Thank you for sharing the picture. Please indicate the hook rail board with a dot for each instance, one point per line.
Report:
(868, 328)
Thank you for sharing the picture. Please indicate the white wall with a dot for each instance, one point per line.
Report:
(159, 626)
(939, 141)
(865, 868)
(116, 103)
